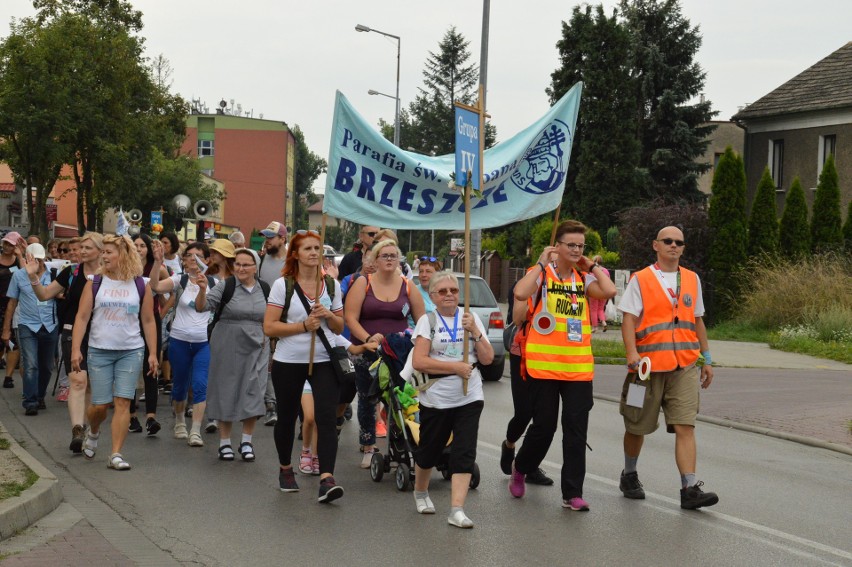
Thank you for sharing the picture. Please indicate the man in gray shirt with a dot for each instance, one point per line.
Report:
(275, 249)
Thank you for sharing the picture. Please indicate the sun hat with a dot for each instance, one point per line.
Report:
(224, 247)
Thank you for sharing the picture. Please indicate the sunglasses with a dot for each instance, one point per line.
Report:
(371, 234)
(669, 241)
(304, 232)
(64, 250)
(445, 290)
(428, 259)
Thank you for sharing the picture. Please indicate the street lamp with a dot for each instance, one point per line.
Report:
(395, 126)
(363, 28)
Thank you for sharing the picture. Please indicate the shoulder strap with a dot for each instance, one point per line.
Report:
(96, 285)
(227, 294)
(433, 320)
(320, 333)
(264, 287)
(329, 286)
(288, 296)
(184, 279)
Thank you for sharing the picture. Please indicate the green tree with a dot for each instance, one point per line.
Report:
(727, 219)
(308, 167)
(32, 119)
(847, 228)
(603, 173)
(794, 234)
(826, 232)
(763, 221)
(672, 129)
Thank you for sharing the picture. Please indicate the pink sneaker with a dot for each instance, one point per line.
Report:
(381, 429)
(577, 504)
(305, 463)
(315, 466)
(517, 484)
(62, 396)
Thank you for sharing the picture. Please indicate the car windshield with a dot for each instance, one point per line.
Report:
(480, 293)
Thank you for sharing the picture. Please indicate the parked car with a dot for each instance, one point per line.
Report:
(484, 304)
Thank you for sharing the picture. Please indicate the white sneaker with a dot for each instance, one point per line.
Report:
(367, 458)
(424, 505)
(180, 430)
(459, 520)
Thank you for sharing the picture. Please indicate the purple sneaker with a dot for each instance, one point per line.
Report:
(577, 504)
(517, 484)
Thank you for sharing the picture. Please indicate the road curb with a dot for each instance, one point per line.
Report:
(811, 441)
(42, 498)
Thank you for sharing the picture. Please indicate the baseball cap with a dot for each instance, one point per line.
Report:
(12, 238)
(275, 228)
(36, 251)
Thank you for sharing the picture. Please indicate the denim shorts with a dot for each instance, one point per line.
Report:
(114, 373)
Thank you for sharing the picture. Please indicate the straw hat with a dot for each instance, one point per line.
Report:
(224, 247)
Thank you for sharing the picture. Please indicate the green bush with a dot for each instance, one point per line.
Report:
(777, 292)
(763, 221)
(794, 234)
(594, 243)
(499, 242)
(612, 238)
(832, 324)
(826, 231)
(610, 260)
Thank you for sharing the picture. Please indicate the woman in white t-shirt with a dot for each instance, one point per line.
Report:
(116, 300)
(189, 351)
(444, 408)
(292, 357)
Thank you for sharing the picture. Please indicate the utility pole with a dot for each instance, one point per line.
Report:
(476, 235)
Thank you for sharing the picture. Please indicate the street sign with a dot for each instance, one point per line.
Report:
(156, 218)
(466, 126)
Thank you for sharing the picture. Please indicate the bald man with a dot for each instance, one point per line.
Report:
(663, 326)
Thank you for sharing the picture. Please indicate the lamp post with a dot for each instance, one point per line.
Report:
(396, 108)
(363, 28)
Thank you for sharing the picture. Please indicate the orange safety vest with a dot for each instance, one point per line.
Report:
(553, 356)
(670, 345)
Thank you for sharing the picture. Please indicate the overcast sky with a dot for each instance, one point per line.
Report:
(285, 59)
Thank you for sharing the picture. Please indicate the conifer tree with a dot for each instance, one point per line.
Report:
(763, 221)
(727, 218)
(825, 223)
(794, 235)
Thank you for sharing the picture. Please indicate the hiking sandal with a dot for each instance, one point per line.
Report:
(117, 462)
(226, 453)
(90, 446)
(247, 451)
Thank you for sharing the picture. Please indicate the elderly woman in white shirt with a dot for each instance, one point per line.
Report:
(444, 409)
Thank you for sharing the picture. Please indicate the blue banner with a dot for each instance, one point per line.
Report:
(371, 181)
(466, 124)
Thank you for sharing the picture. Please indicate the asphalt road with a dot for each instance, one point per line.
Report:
(782, 503)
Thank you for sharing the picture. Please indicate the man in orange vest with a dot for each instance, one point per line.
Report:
(558, 357)
(663, 309)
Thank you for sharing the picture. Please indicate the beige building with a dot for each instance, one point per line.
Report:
(726, 134)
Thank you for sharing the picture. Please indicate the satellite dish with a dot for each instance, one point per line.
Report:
(135, 215)
(181, 204)
(203, 209)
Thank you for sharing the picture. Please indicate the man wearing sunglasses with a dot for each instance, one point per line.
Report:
(663, 309)
(351, 262)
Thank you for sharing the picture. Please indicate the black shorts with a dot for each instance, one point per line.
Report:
(65, 341)
(435, 428)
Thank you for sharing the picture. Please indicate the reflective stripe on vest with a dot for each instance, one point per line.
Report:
(669, 345)
(553, 356)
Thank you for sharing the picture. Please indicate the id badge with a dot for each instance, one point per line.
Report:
(405, 310)
(325, 302)
(635, 395)
(192, 304)
(452, 351)
(575, 330)
(133, 309)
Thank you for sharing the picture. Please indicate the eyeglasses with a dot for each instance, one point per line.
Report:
(388, 257)
(669, 241)
(428, 259)
(445, 290)
(64, 250)
(243, 266)
(371, 234)
(304, 232)
(572, 246)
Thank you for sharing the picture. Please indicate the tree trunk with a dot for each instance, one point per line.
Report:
(81, 200)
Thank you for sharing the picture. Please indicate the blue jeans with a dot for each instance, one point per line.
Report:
(114, 373)
(366, 406)
(38, 353)
(190, 363)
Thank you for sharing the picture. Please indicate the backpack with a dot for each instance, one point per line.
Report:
(184, 280)
(227, 295)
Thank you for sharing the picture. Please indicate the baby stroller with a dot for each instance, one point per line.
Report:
(403, 430)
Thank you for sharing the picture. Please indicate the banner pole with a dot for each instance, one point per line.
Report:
(555, 224)
(317, 294)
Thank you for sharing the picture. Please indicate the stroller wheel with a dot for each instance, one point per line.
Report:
(377, 467)
(403, 477)
(474, 477)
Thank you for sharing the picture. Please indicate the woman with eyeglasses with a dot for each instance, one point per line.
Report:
(295, 329)
(239, 351)
(188, 345)
(558, 357)
(117, 347)
(428, 267)
(377, 305)
(444, 408)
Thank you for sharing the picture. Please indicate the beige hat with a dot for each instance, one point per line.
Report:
(224, 247)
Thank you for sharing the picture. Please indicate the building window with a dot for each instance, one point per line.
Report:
(205, 148)
(827, 147)
(776, 162)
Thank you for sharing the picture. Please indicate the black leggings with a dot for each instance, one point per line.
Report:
(151, 391)
(520, 399)
(288, 379)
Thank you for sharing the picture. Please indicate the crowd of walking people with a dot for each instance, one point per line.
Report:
(236, 337)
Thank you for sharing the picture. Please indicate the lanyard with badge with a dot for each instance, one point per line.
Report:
(674, 294)
(574, 323)
(452, 350)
